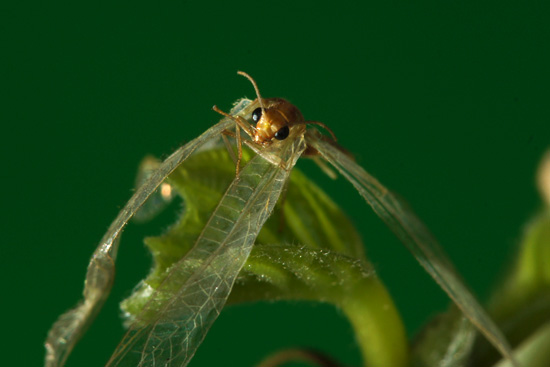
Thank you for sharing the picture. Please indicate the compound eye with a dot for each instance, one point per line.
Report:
(282, 134)
(257, 114)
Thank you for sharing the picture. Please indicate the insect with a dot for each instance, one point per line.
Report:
(276, 131)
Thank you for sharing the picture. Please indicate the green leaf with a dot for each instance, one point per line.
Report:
(521, 303)
(307, 250)
(533, 351)
(303, 273)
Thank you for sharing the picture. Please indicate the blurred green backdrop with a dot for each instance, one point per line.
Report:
(444, 102)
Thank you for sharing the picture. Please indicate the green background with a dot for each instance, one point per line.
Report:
(445, 102)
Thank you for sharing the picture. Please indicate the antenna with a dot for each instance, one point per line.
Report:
(255, 87)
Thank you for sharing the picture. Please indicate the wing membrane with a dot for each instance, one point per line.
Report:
(414, 234)
(191, 297)
(71, 325)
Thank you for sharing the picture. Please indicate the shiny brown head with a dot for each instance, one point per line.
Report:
(275, 117)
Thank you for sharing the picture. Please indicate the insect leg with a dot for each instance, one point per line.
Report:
(241, 122)
(282, 201)
(237, 160)
(324, 167)
(323, 126)
(239, 150)
(225, 134)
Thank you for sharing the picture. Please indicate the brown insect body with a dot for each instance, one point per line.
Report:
(274, 118)
(276, 114)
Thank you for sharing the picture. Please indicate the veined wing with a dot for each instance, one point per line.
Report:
(71, 325)
(414, 234)
(178, 316)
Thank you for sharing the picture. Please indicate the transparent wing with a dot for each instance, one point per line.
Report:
(71, 325)
(175, 321)
(414, 234)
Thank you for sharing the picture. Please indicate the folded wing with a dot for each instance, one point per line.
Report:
(414, 234)
(188, 301)
(70, 326)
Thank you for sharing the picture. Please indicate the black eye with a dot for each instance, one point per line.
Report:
(257, 114)
(282, 134)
